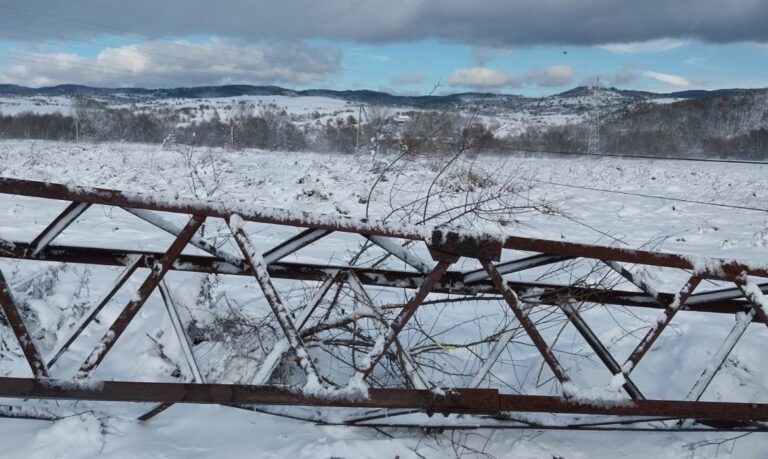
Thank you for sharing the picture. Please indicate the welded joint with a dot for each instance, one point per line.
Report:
(451, 242)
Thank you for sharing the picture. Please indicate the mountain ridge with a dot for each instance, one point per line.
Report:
(360, 95)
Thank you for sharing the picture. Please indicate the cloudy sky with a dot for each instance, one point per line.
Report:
(404, 46)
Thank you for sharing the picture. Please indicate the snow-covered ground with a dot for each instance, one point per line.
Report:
(13, 105)
(568, 204)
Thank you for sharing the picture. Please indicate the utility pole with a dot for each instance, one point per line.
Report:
(593, 144)
(359, 121)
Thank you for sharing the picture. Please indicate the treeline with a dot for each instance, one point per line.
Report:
(717, 126)
(267, 127)
(655, 142)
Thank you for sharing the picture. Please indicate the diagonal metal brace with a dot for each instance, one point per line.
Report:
(525, 321)
(27, 344)
(145, 290)
(259, 269)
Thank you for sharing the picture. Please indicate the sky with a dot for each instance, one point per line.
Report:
(529, 47)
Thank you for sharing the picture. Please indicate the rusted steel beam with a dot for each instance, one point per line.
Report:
(718, 301)
(705, 267)
(259, 270)
(281, 347)
(469, 401)
(294, 244)
(234, 262)
(210, 208)
(635, 279)
(91, 314)
(383, 342)
(493, 356)
(181, 334)
(656, 329)
(718, 359)
(154, 411)
(404, 254)
(479, 401)
(722, 353)
(600, 350)
(754, 297)
(134, 305)
(59, 224)
(7, 248)
(714, 296)
(27, 344)
(522, 264)
(456, 243)
(413, 372)
(757, 301)
(184, 342)
(530, 328)
(487, 246)
(24, 412)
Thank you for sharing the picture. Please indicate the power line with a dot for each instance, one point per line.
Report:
(65, 18)
(651, 196)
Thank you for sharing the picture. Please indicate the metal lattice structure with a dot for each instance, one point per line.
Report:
(745, 301)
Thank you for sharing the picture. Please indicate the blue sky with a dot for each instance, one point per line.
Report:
(370, 47)
(705, 66)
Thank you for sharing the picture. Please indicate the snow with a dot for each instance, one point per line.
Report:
(606, 396)
(754, 294)
(295, 183)
(13, 105)
(78, 436)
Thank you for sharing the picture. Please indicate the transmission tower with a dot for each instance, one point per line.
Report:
(593, 144)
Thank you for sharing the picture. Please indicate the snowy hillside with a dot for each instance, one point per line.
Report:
(513, 113)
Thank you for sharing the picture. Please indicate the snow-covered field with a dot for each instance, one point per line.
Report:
(568, 205)
(13, 105)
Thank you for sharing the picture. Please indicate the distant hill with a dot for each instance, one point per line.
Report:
(361, 96)
(689, 94)
(200, 92)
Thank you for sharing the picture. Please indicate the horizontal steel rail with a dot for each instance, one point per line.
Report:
(470, 401)
(451, 283)
(482, 245)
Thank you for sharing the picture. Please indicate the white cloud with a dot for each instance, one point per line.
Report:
(179, 63)
(668, 78)
(650, 46)
(483, 78)
(489, 23)
(554, 75)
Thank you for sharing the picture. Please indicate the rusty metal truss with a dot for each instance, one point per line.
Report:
(422, 277)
